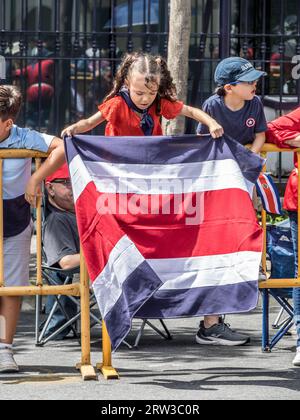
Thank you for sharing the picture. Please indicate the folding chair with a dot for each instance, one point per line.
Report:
(71, 321)
(164, 334)
(280, 250)
(50, 276)
(55, 276)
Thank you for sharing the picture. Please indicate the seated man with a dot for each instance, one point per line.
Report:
(61, 240)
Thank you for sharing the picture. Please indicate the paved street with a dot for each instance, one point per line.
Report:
(160, 369)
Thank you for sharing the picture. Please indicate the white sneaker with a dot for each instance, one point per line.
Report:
(7, 362)
(296, 361)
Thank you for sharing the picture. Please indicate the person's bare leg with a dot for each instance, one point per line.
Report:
(211, 320)
(10, 308)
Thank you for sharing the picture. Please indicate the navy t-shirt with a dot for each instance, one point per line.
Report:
(241, 125)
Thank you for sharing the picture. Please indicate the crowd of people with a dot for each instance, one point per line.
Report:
(143, 92)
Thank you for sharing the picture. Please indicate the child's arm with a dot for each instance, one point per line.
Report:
(83, 126)
(258, 143)
(55, 160)
(294, 142)
(215, 129)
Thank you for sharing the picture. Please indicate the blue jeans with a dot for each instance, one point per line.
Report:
(296, 292)
(58, 319)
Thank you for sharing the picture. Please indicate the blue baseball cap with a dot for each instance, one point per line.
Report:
(236, 69)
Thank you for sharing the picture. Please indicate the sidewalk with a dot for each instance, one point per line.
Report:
(178, 369)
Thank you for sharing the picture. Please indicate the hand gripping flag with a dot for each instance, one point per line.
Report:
(167, 226)
(269, 194)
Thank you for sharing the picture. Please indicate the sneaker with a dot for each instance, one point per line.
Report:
(7, 362)
(220, 335)
(296, 361)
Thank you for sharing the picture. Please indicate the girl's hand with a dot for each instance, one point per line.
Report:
(216, 130)
(294, 142)
(33, 191)
(69, 131)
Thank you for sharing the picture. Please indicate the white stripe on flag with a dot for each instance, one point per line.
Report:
(160, 179)
(79, 175)
(206, 271)
(123, 260)
(176, 274)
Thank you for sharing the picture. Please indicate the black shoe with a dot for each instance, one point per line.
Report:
(220, 335)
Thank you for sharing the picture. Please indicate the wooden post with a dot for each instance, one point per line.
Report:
(87, 370)
(106, 366)
(39, 278)
(80, 290)
(264, 226)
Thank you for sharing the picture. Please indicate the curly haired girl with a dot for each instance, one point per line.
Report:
(142, 93)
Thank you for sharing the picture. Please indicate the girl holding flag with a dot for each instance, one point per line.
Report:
(143, 93)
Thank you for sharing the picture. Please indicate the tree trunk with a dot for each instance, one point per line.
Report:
(178, 55)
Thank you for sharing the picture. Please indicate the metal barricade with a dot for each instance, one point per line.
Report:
(80, 290)
(278, 283)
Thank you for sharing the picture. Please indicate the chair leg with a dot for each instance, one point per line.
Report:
(169, 336)
(265, 322)
(282, 332)
(41, 342)
(140, 333)
(38, 303)
(166, 335)
(276, 324)
(59, 330)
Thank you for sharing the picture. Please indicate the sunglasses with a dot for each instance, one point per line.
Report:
(65, 182)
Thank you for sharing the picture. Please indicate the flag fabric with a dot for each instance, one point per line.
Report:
(269, 194)
(167, 226)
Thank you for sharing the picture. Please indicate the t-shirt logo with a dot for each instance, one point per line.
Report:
(250, 122)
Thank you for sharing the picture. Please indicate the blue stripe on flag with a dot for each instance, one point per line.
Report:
(235, 298)
(142, 283)
(164, 150)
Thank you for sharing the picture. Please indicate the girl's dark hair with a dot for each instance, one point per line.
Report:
(153, 67)
(10, 102)
(220, 91)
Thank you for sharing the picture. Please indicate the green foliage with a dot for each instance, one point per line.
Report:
(272, 219)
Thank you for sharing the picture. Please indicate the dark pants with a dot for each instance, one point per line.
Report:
(59, 319)
(296, 292)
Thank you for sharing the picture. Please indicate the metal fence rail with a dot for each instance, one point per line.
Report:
(82, 290)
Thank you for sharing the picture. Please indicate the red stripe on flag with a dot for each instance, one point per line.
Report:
(229, 225)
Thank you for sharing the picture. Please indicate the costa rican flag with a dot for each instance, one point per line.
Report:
(268, 193)
(167, 226)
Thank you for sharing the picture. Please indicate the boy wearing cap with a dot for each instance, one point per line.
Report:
(237, 108)
(235, 105)
(17, 218)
